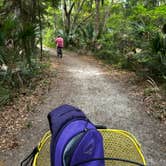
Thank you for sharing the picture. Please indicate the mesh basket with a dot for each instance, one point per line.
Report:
(118, 144)
(42, 158)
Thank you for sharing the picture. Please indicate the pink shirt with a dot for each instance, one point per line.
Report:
(59, 42)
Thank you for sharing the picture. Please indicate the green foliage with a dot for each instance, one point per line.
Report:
(124, 28)
(109, 56)
(140, 28)
(104, 54)
(1, 3)
(113, 30)
(4, 95)
(157, 42)
(157, 66)
(21, 77)
(19, 36)
(49, 38)
(88, 34)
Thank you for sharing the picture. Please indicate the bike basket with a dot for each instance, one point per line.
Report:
(120, 149)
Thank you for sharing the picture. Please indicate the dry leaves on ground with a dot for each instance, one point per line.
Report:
(14, 116)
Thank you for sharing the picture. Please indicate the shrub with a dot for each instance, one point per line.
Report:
(4, 95)
(49, 38)
(111, 57)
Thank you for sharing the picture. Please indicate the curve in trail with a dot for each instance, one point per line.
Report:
(84, 84)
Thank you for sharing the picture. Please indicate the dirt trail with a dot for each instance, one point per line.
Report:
(83, 83)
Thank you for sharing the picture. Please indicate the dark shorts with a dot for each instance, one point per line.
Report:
(59, 52)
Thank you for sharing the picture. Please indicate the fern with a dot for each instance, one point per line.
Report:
(4, 95)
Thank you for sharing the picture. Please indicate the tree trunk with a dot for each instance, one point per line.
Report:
(97, 18)
(40, 26)
(68, 17)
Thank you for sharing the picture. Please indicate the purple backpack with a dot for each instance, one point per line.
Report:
(75, 140)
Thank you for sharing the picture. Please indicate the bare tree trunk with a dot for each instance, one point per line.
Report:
(34, 20)
(40, 25)
(68, 16)
(97, 18)
(106, 15)
(80, 6)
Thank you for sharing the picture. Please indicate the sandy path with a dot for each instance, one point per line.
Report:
(83, 83)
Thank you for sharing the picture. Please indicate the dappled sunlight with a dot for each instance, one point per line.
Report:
(85, 73)
(54, 65)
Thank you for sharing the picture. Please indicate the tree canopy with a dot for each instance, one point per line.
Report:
(127, 33)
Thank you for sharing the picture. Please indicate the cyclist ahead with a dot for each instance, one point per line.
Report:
(59, 44)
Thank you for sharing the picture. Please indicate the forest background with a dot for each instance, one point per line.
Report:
(127, 34)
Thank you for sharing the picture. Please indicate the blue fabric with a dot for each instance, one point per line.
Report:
(91, 146)
(57, 119)
(71, 130)
(66, 122)
(59, 116)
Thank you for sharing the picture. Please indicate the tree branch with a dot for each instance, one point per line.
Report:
(83, 21)
(71, 8)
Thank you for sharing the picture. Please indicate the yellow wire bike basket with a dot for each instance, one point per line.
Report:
(119, 145)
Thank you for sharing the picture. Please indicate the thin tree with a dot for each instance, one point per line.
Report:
(40, 27)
